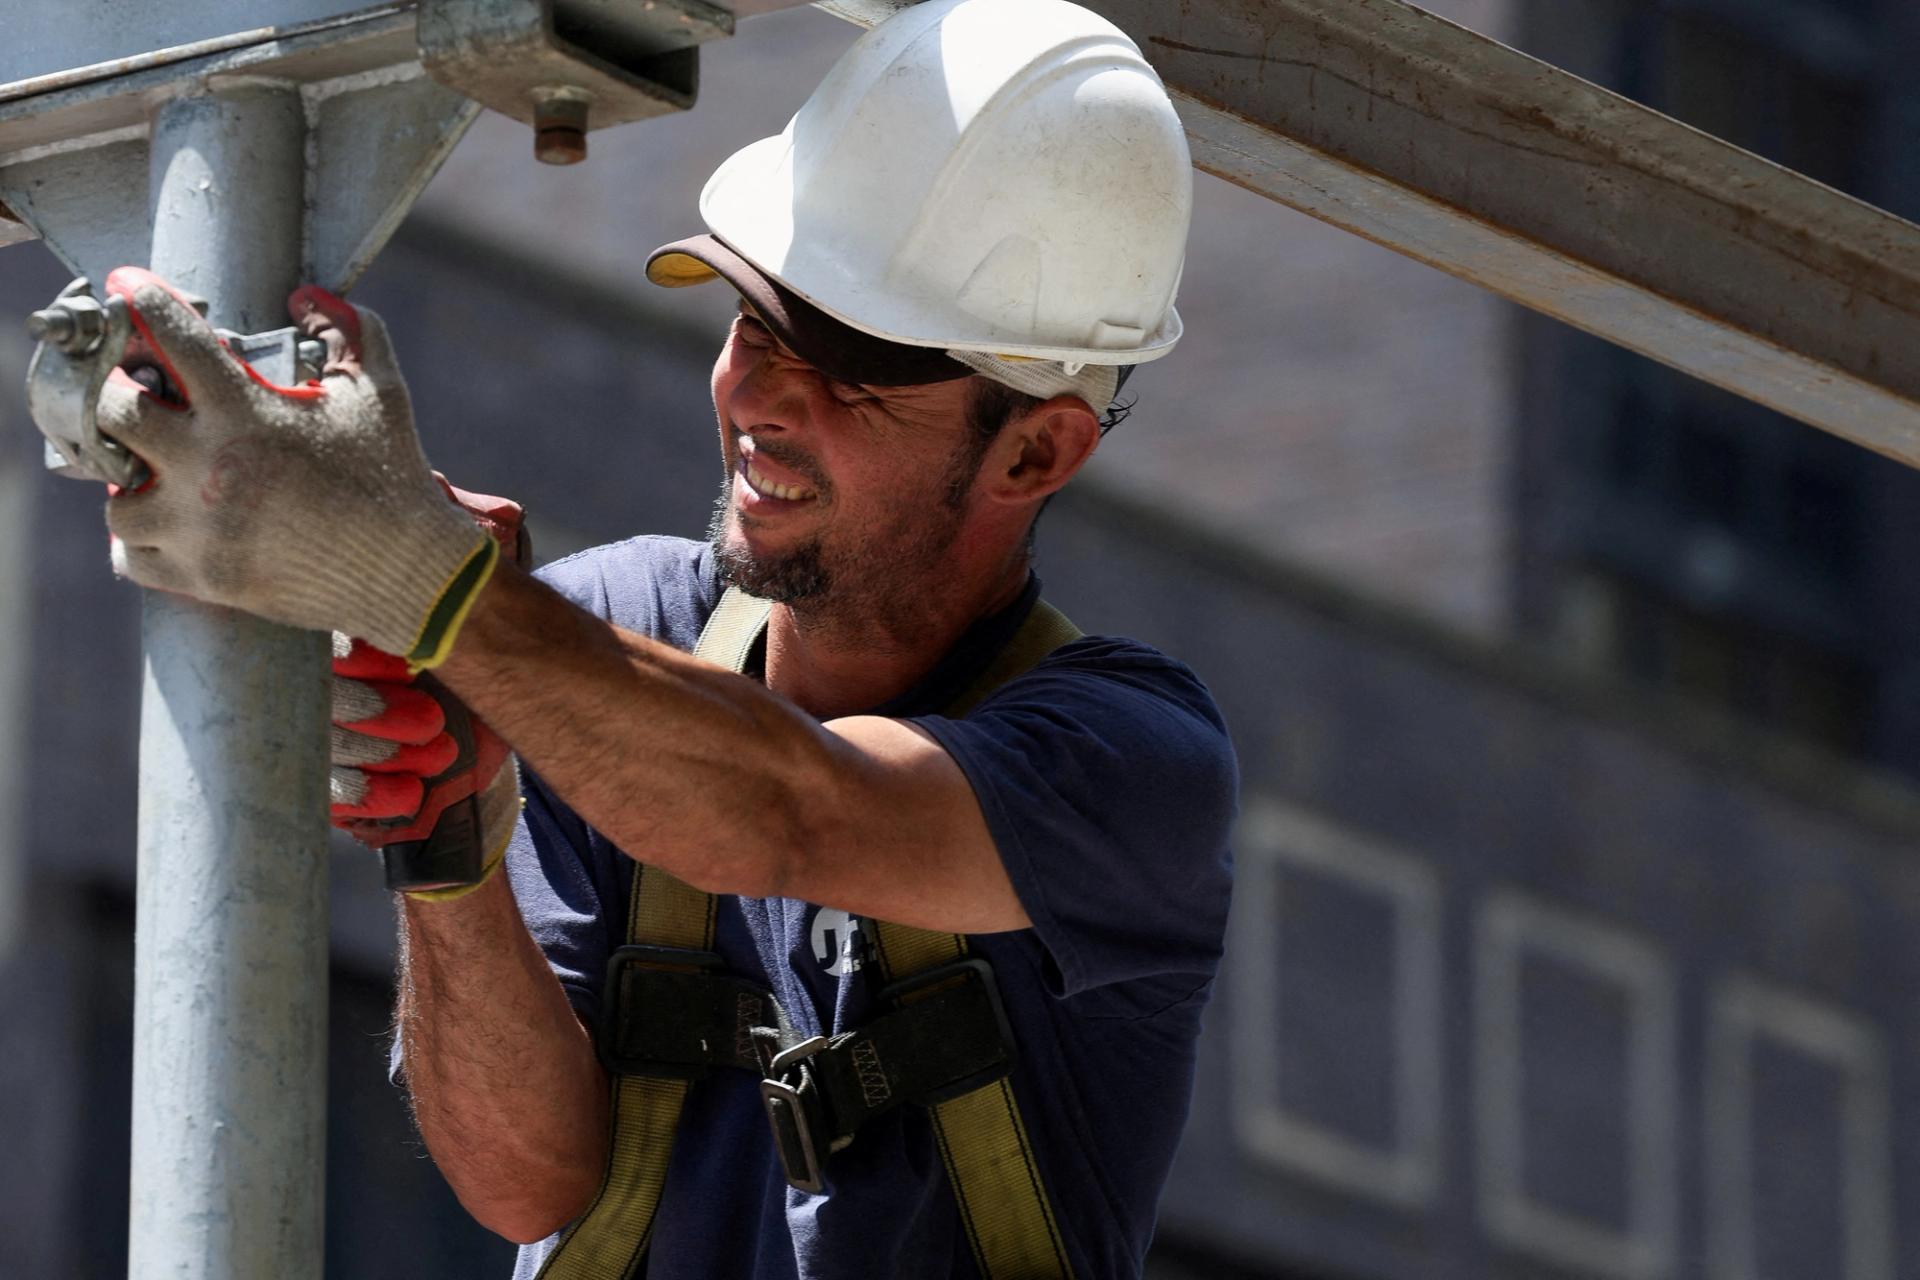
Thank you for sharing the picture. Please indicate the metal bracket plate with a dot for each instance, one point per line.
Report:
(624, 61)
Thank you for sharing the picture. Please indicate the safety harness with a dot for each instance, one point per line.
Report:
(671, 1014)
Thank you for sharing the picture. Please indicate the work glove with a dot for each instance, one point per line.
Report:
(405, 749)
(311, 505)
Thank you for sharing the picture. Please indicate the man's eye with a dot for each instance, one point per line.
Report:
(848, 392)
(752, 331)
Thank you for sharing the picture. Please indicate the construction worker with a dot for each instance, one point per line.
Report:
(968, 868)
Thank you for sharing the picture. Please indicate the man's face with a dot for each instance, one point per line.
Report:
(838, 495)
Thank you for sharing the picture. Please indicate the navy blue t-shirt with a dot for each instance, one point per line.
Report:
(1109, 785)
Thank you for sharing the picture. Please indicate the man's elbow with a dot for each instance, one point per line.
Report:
(525, 1230)
(531, 1214)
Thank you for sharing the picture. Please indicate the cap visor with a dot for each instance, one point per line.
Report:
(838, 350)
(673, 270)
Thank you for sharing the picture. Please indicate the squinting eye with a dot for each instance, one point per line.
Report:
(752, 331)
(849, 392)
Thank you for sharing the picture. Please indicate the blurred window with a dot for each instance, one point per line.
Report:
(1698, 542)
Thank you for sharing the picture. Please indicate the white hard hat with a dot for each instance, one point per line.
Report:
(1003, 177)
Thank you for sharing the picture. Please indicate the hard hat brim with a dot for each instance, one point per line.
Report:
(838, 350)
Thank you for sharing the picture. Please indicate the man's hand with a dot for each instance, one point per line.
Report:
(394, 751)
(310, 505)
(391, 738)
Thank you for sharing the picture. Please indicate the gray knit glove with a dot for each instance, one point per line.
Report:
(312, 505)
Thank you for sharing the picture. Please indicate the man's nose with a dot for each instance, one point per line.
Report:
(773, 394)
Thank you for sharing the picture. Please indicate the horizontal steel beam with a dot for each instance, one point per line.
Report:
(88, 39)
(74, 146)
(1497, 168)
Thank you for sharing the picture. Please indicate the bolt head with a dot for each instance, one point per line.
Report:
(562, 145)
(60, 327)
(559, 127)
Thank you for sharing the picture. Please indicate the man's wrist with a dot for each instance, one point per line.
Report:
(407, 589)
(500, 806)
(451, 606)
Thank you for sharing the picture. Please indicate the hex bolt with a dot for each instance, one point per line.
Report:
(75, 328)
(55, 325)
(559, 127)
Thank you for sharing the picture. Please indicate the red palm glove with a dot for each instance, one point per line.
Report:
(393, 749)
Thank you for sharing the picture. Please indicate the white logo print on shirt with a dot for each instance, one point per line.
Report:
(837, 941)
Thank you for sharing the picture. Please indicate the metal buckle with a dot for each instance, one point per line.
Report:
(798, 1111)
(640, 963)
(793, 1116)
(972, 969)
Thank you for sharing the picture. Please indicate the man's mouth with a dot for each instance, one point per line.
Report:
(766, 486)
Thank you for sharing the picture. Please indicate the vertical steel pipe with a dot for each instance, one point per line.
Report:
(230, 991)
(17, 504)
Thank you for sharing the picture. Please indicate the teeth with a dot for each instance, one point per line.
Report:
(771, 489)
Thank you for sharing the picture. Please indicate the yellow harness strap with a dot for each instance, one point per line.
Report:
(609, 1240)
(1003, 1204)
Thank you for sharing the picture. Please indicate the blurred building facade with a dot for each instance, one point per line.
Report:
(1576, 926)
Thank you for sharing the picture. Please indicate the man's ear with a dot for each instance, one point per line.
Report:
(1040, 450)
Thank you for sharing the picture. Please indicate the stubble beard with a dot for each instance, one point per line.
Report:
(873, 581)
(788, 578)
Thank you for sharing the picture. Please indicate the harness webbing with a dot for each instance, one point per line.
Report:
(611, 1237)
(1003, 1203)
(996, 1182)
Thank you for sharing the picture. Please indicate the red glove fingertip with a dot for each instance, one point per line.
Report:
(123, 283)
(421, 759)
(389, 795)
(364, 662)
(309, 298)
(412, 715)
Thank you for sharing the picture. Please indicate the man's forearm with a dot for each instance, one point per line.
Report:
(729, 786)
(505, 1085)
(718, 780)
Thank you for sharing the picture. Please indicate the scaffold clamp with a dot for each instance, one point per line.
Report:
(83, 339)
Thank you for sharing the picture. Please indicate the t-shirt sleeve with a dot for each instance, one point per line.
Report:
(1110, 787)
(567, 884)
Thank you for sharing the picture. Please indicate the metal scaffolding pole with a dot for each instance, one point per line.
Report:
(230, 990)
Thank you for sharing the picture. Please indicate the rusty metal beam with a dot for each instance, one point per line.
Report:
(1453, 149)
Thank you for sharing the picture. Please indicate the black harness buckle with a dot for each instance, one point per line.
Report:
(672, 1013)
(675, 1014)
(995, 1060)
